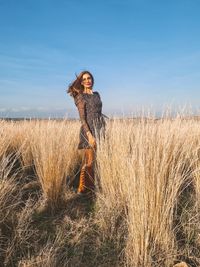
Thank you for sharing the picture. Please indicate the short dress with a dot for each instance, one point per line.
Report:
(92, 119)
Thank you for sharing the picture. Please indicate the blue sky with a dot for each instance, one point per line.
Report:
(143, 54)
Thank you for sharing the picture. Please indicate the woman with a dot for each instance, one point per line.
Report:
(92, 126)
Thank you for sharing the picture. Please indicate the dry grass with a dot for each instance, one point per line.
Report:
(53, 147)
(149, 166)
(148, 198)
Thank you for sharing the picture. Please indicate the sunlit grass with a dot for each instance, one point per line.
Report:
(148, 194)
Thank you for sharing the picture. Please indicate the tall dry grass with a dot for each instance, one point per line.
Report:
(53, 147)
(5, 137)
(148, 195)
(144, 167)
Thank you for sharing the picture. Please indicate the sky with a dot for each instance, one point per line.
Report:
(144, 55)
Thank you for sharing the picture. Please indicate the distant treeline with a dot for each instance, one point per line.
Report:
(146, 119)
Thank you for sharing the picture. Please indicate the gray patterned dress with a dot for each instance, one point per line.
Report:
(92, 119)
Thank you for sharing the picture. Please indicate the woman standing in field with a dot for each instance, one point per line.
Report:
(89, 106)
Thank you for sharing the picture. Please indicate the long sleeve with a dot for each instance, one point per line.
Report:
(80, 103)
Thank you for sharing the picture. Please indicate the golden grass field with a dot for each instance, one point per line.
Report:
(146, 211)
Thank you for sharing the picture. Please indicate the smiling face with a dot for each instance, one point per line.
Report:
(87, 80)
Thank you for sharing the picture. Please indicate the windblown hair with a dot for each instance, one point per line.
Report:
(76, 87)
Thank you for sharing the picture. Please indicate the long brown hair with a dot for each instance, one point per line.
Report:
(76, 87)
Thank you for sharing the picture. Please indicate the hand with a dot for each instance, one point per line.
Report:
(91, 139)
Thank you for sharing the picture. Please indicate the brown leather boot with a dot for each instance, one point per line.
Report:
(82, 181)
(86, 183)
(90, 158)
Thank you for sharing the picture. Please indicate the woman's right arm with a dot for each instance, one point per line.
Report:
(80, 103)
